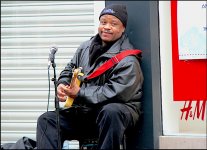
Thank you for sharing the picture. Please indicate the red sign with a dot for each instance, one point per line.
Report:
(189, 76)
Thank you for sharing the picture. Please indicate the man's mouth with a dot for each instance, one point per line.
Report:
(107, 32)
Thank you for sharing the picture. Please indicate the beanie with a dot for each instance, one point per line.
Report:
(117, 10)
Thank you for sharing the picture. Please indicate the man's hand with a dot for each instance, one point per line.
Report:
(61, 93)
(71, 91)
(64, 90)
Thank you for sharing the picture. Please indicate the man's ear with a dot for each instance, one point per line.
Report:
(124, 30)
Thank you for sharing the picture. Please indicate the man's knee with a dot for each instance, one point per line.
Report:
(111, 109)
(113, 112)
(44, 117)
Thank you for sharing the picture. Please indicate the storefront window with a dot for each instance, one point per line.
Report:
(183, 117)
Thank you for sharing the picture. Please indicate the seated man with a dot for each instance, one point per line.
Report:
(108, 104)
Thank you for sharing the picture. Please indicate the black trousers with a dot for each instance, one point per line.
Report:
(110, 123)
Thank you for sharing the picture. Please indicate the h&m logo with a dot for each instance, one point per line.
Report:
(196, 111)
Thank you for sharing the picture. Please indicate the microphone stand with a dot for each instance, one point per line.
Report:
(56, 105)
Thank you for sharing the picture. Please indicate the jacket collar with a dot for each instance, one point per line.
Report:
(117, 47)
(120, 45)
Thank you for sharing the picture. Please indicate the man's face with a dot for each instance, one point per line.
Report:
(110, 28)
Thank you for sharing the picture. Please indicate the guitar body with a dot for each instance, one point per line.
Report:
(74, 80)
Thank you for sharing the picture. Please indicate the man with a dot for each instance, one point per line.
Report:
(109, 104)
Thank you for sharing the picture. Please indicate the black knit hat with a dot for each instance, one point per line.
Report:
(117, 10)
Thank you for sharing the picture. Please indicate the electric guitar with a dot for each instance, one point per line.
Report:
(74, 80)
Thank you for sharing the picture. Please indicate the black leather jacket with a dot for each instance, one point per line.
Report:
(120, 84)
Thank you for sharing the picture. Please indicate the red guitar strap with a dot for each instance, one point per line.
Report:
(111, 62)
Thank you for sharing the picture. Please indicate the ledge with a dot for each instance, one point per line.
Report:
(182, 142)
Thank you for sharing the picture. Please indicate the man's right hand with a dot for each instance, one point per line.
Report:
(60, 93)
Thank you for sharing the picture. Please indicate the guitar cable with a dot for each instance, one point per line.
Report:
(48, 100)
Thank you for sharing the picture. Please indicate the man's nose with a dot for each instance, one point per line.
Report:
(107, 26)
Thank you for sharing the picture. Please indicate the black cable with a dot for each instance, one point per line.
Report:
(51, 62)
(48, 100)
(57, 107)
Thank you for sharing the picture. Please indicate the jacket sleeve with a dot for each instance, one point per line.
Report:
(66, 74)
(124, 83)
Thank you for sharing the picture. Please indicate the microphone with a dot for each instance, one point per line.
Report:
(53, 50)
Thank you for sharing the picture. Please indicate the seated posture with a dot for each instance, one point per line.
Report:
(108, 104)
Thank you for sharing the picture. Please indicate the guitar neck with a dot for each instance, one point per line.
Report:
(75, 74)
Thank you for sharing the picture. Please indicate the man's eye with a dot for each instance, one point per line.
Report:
(113, 23)
(103, 22)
